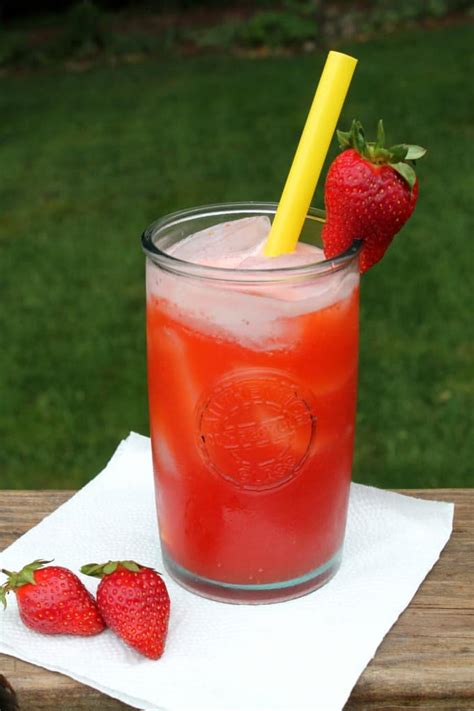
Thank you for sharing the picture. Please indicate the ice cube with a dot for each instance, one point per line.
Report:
(225, 245)
(304, 254)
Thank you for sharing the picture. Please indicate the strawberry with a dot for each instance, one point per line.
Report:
(370, 193)
(134, 602)
(53, 600)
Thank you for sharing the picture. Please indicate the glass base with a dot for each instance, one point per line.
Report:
(253, 594)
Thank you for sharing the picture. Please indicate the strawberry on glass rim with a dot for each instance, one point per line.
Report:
(370, 193)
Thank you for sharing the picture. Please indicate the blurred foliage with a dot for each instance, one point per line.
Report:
(84, 26)
(17, 8)
(222, 37)
(386, 15)
(83, 33)
(13, 48)
(90, 31)
(290, 26)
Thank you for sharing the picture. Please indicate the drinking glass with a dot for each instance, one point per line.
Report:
(252, 381)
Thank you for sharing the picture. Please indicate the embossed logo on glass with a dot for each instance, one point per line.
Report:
(256, 429)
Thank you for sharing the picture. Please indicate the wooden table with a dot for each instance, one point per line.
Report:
(425, 662)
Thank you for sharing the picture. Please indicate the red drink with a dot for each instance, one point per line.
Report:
(252, 393)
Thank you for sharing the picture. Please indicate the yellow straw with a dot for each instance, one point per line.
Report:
(310, 154)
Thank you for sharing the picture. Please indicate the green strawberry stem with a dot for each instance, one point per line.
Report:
(24, 577)
(396, 156)
(99, 570)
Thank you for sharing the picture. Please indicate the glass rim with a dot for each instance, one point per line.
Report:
(186, 268)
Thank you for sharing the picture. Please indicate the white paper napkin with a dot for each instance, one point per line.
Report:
(293, 656)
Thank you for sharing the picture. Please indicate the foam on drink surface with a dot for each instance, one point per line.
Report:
(263, 315)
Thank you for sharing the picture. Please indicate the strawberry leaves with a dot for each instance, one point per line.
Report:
(415, 152)
(26, 576)
(380, 141)
(98, 570)
(376, 152)
(406, 172)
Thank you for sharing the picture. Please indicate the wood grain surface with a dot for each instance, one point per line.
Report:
(425, 662)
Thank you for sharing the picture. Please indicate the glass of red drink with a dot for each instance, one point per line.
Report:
(252, 378)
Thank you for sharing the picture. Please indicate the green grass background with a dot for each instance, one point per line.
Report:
(88, 160)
